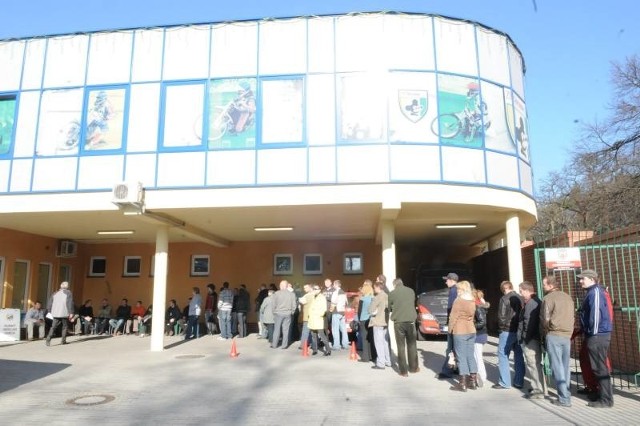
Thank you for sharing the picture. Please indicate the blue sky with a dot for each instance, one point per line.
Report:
(568, 45)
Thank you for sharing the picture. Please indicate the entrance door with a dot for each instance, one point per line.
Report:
(20, 281)
(44, 283)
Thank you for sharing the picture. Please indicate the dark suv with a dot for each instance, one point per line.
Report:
(432, 297)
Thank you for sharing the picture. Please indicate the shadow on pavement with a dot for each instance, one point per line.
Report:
(17, 373)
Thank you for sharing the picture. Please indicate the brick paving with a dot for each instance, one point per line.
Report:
(118, 380)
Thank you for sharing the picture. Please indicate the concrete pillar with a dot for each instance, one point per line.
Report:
(159, 289)
(389, 269)
(514, 253)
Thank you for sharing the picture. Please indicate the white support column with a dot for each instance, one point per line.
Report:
(389, 269)
(514, 252)
(159, 289)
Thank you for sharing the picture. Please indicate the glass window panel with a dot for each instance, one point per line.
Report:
(413, 105)
(231, 167)
(66, 61)
(104, 119)
(21, 171)
(232, 113)
(132, 266)
(26, 128)
(463, 165)
(282, 47)
(362, 108)
(100, 172)
(234, 49)
(109, 58)
(526, 180)
(415, 162)
(462, 113)
(147, 55)
(33, 61)
(59, 128)
(98, 266)
(190, 164)
(492, 51)
(273, 166)
(502, 170)
(358, 42)
(455, 47)
(321, 52)
(354, 163)
(11, 54)
(143, 117)
(500, 117)
(186, 53)
(7, 122)
(517, 73)
(55, 174)
(183, 109)
(402, 34)
(321, 110)
(282, 112)
(521, 128)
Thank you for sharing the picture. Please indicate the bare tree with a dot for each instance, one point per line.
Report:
(599, 188)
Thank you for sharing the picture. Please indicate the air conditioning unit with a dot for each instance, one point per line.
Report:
(67, 248)
(128, 193)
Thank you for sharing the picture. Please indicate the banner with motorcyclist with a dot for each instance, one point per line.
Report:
(232, 111)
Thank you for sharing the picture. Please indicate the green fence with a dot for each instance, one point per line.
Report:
(616, 258)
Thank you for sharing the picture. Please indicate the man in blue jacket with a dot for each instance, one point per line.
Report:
(596, 324)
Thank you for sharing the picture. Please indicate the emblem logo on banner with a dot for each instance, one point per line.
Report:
(413, 104)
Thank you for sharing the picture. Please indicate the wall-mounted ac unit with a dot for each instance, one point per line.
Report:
(67, 248)
(128, 193)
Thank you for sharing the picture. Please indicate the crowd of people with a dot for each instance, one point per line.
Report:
(528, 327)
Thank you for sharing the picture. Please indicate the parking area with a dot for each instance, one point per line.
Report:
(118, 380)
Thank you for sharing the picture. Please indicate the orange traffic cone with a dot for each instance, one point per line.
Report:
(305, 348)
(353, 355)
(234, 350)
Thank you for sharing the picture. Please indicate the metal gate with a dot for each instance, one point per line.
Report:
(616, 259)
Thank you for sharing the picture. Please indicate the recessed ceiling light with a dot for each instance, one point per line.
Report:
(116, 232)
(273, 228)
(457, 226)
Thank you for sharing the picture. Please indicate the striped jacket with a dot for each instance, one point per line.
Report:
(595, 317)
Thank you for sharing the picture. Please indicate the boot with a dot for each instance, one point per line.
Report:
(461, 386)
(473, 381)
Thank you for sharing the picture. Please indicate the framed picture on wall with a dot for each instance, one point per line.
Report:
(200, 265)
(132, 266)
(282, 264)
(98, 266)
(312, 264)
(352, 263)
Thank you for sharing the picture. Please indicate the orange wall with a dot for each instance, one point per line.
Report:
(35, 249)
(249, 263)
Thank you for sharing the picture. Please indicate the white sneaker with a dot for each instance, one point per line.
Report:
(221, 338)
(142, 335)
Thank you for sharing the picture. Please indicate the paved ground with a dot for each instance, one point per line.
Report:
(118, 380)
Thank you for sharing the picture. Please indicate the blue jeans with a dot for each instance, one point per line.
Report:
(381, 340)
(225, 324)
(559, 351)
(446, 370)
(338, 325)
(464, 346)
(304, 335)
(508, 342)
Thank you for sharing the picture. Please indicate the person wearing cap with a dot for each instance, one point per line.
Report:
(596, 325)
(509, 309)
(556, 325)
(61, 308)
(451, 279)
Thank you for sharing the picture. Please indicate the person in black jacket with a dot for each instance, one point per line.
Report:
(172, 317)
(123, 313)
(242, 307)
(508, 318)
(529, 339)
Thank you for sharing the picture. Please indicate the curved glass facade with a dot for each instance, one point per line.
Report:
(371, 98)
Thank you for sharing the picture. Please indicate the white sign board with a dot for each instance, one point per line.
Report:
(562, 258)
(9, 325)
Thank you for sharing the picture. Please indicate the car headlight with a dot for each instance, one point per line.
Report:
(428, 317)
